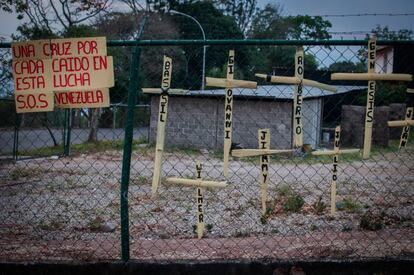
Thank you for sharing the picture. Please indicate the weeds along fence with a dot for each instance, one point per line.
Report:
(67, 194)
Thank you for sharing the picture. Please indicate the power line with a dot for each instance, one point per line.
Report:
(365, 14)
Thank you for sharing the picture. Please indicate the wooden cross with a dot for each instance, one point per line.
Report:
(264, 151)
(335, 152)
(229, 83)
(162, 119)
(371, 76)
(201, 186)
(405, 123)
(299, 81)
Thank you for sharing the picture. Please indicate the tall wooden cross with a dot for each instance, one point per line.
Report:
(299, 81)
(371, 76)
(335, 153)
(229, 83)
(162, 119)
(201, 186)
(264, 152)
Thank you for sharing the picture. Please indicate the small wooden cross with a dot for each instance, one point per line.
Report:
(201, 186)
(335, 152)
(264, 151)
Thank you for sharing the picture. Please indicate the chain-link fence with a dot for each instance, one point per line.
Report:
(60, 183)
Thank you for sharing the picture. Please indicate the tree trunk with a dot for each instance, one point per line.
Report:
(76, 118)
(94, 124)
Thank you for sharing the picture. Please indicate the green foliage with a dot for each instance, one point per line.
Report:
(307, 27)
(349, 206)
(385, 94)
(371, 221)
(347, 67)
(216, 25)
(270, 24)
(284, 190)
(265, 217)
(95, 224)
(79, 31)
(209, 227)
(387, 34)
(319, 206)
(293, 203)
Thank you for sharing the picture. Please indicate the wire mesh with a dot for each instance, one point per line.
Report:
(62, 204)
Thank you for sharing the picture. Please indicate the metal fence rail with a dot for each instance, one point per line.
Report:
(62, 191)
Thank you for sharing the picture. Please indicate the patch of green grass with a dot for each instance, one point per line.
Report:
(241, 234)
(284, 190)
(86, 147)
(23, 172)
(293, 203)
(371, 221)
(313, 227)
(319, 206)
(95, 224)
(349, 206)
(51, 226)
(265, 217)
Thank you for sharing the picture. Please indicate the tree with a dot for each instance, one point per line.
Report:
(347, 67)
(386, 34)
(270, 24)
(241, 10)
(216, 26)
(56, 16)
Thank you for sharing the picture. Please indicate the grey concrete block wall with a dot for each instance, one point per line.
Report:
(353, 126)
(397, 112)
(199, 121)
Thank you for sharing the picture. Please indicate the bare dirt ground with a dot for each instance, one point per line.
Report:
(68, 209)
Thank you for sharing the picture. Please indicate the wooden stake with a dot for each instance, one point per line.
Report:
(297, 100)
(170, 91)
(264, 143)
(229, 83)
(196, 182)
(334, 170)
(240, 153)
(293, 80)
(233, 83)
(369, 111)
(162, 118)
(335, 153)
(200, 204)
(400, 123)
(228, 115)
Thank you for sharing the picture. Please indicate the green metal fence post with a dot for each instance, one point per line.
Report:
(126, 158)
(68, 123)
(16, 137)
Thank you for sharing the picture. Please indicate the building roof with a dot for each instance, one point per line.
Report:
(276, 91)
